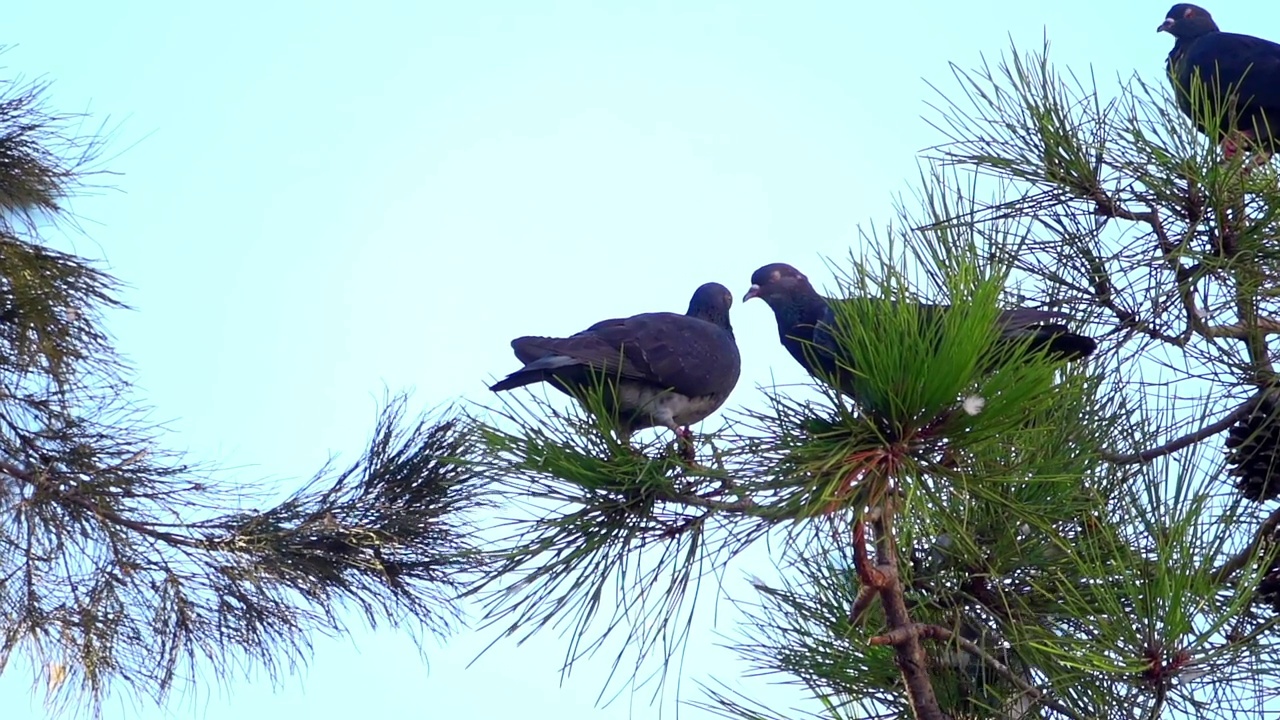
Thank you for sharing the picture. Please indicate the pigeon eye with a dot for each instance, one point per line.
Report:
(1189, 12)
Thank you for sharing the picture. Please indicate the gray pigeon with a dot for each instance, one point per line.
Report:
(806, 320)
(658, 368)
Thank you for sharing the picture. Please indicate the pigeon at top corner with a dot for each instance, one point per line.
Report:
(806, 319)
(1243, 69)
(660, 369)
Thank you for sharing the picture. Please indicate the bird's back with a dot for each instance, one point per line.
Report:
(1247, 66)
(668, 350)
(687, 354)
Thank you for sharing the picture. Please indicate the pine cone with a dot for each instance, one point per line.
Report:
(1253, 453)
(1269, 586)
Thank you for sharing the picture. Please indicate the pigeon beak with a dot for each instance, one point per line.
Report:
(752, 292)
(1166, 25)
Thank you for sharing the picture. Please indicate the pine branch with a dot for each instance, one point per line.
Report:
(1266, 533)
(113, 594)
(1109, 207)
(1242, 331)
(1242, 411)
(41, 484)
(883, 576)
(42, 161)
(1104, 293)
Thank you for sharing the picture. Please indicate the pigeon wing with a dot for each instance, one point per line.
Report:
(687, 355)
(1249, 65)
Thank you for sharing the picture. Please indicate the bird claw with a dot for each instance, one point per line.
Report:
(685, 446)
(1232, 147)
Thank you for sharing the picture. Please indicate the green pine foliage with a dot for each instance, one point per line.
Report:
(988, 532)
(127, 571)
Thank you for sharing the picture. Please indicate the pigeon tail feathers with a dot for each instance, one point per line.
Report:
(1060, 344)
(537, 371)
(1072, 346)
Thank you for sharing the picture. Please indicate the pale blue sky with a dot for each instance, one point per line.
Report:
(317, 201)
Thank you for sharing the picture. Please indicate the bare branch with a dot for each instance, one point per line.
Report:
(884, 577)
(1266, 531)
(1187, 440)
(1241, 331)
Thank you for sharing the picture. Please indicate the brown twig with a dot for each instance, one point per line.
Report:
(745, 506)
(1186, 440)
(1108, 206)
(1103, 290)
(909, 652)
(1241, 331)
(1242, 558)
(1186, 284)
(869, 589)
(862, 603)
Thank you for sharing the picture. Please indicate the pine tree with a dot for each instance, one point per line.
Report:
(124, 567)
(1093, 540)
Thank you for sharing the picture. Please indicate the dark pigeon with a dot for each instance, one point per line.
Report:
(1242, 69)
(660, 368)
(806, 320)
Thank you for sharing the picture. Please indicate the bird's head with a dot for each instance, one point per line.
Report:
(776, 283)
(1188, 21)
(711, 302)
